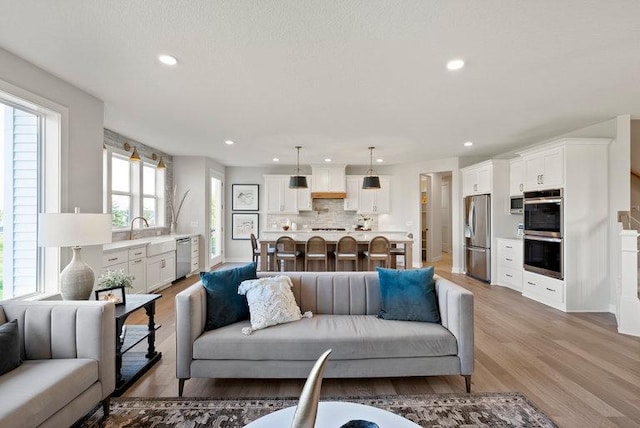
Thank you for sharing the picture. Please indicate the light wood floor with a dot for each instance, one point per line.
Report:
(575, 367)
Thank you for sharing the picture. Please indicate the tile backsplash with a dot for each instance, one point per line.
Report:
(326, 213)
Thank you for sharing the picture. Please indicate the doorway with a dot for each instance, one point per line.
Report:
(216, 241)
(436, 219)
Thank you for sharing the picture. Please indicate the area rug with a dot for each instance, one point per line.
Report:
(435, 410)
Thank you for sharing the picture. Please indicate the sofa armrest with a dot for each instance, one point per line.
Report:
(69, 329)
(456, 311)
(191, 314)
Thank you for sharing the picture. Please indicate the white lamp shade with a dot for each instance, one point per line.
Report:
(73, 230)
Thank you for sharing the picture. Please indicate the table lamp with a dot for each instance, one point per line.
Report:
(74, 230)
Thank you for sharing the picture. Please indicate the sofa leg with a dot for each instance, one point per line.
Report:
(106, 405)
(467, 382)
(181, 382)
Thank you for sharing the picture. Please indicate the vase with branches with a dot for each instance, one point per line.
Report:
(175, 207)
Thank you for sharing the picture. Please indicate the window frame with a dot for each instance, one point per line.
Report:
(119, 192)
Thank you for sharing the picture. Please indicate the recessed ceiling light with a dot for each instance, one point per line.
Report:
(327, 160)
(379, 160)
(455, 64)
(167, 59)
(229, 143)
(468, 144)
(276, 160)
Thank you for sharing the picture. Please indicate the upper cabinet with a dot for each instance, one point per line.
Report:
(543, 169)
(375, 201)
(354, 185)
(476, 179)
(328, 178)
(516, 177)
(305, 202)
(280, 199)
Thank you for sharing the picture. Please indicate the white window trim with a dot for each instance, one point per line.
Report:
(55, 131)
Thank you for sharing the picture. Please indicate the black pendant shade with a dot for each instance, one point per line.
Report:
(371, 181)
(298, 181)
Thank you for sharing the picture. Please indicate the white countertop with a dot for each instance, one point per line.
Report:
(335, 235)
(141, 242)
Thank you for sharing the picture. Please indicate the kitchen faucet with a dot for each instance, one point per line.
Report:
(146, 223)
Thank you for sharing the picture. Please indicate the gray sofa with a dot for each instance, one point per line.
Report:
(68, 350)
(345, 305)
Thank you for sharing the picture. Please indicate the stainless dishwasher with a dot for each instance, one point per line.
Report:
(183, 257)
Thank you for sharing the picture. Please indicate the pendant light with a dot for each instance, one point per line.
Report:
(298, 181)
(371, 181)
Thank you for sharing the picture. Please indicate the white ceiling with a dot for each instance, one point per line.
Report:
(338, 76)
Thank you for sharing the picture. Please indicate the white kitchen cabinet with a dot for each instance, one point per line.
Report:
(510, 269)
(161, 270)
(476, 180)
(124, 266)
(544, 169)
(376, 201)
(354, 185)
(516, 177)
(280, 199)
(138, 268)
(195, 254)
(305, 203)
(328, 178)
(544, 289)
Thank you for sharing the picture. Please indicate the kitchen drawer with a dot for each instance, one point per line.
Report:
(195, 241)
(114, 258)
(137, 253)
(195, 264)
(510, 260)
(546, 289)
(511, 278)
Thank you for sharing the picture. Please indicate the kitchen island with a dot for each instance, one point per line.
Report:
(269, 238)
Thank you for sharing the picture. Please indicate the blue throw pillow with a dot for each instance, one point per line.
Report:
(10, 346)
(408, 295)
(224, 305)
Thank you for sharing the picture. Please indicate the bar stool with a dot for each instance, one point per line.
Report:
(378, 251)
(346, 250)
(286, 251)
(315, 250)
(256, 253)
(395, 252)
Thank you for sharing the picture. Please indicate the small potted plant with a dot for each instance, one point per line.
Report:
(112, 284)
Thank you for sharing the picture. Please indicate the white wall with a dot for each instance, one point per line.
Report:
(635, 166)
(82, 138)
(193, 173)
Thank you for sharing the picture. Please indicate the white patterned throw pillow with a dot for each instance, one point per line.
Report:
(271, 302)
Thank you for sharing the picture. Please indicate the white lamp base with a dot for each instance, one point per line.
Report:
(76, 280)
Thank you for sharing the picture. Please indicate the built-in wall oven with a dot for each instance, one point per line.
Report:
(543, 239)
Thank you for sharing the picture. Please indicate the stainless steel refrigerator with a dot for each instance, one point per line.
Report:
(477, 236)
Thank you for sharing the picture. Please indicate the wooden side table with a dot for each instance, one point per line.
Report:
(131, 365)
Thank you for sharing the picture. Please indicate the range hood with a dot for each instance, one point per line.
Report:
(328, 182)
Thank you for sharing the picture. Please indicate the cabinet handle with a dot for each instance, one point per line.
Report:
(112, 260)
(164, 263)
(541, 178)
(550, 289)
(508, 246)
(137, 261)
(508, 259)
(530, 283)
(137, 254)
(521, 187)
(506, 274)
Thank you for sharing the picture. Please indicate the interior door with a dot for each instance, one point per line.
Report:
(445, 205)
(216, 241)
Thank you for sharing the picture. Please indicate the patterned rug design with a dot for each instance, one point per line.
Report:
(436, 410)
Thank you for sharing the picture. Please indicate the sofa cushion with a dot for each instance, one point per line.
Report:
(224, 305)
(39, 388)
(271, 302)
(350, 336)
(408, 295)
(10, 346)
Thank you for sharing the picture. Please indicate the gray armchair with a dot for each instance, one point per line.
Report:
(68, 353)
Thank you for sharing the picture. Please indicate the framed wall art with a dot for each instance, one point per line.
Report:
(243, 225)
(245, 197)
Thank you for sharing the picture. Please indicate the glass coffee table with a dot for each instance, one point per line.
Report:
(334, 414)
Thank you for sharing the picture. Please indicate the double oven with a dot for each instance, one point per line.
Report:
(543, 234)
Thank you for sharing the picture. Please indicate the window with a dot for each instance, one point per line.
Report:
(29, 184)
(136, 189)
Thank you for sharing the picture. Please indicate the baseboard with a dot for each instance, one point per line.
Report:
(613, 309)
